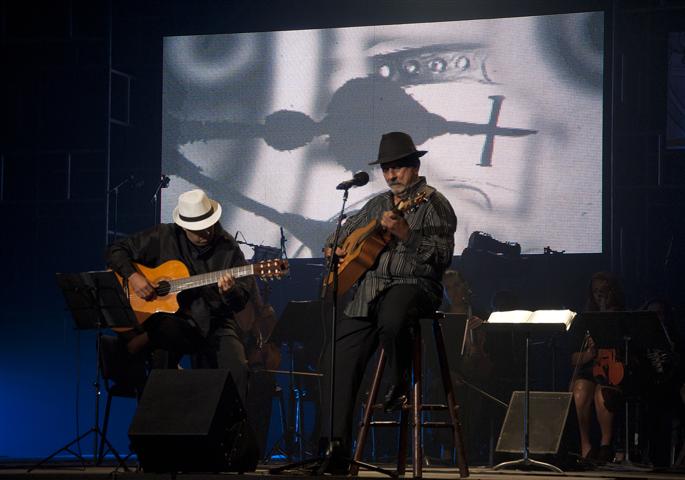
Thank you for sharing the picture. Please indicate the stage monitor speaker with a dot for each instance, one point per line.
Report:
(192, 421)
(548, 415)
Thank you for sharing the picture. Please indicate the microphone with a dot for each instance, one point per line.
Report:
(359, 179)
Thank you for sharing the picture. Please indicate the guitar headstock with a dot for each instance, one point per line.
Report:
(271, 269)
(412, 203)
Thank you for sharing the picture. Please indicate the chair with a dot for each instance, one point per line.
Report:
(123, 375)
(416, 407)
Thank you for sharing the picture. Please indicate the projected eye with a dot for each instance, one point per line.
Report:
(384, 71)
(412, 67)
(462, 63)
(437, 65)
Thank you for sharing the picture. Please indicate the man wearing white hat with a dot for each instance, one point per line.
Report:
(204, 325)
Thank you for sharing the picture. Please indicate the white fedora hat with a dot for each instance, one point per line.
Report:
(196, 211)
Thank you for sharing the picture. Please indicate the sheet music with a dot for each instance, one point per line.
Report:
(564, 317)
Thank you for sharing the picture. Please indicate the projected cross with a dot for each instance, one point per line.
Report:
(490, 130)
(486, 156)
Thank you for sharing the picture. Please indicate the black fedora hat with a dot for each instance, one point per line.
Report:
(396, 146)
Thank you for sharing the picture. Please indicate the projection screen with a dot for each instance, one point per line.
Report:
(509, 109)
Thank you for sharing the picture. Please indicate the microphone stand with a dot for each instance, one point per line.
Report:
(283, 242)
(320, 464)
(163, 183)
(116, 189)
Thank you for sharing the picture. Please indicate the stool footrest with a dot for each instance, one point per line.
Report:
(433, 407)
(426, 407)
(384, 423)
(437, 424)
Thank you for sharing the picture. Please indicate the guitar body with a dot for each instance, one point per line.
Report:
(171, 270)
(363, 247)
(365, 244)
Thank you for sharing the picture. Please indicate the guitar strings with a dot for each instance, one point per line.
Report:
(272, 268)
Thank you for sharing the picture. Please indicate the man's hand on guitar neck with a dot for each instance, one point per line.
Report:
(395, 224)
(141, 286)
(226, 283)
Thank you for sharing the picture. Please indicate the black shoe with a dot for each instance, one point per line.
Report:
(338, 467)
(605, 454)
(338, 461)
(584, 464)
(589, 461)
(591, 455)
(395, 398)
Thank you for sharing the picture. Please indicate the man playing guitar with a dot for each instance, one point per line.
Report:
(416, 226)
(204, 324)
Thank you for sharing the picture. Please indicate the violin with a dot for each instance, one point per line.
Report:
(607, 369)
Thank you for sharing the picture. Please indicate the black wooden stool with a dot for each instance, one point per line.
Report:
(415, 406)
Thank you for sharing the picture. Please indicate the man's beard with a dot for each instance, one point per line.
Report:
(398, 189)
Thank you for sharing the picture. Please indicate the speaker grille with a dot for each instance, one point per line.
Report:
(548, 414)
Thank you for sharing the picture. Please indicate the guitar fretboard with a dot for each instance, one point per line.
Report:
(208, 278)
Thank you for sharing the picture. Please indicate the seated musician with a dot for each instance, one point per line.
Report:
(475, 363)
(402, 286)
(204, 325)
(605, 294)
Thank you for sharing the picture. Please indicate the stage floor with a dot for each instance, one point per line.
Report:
(69, 470)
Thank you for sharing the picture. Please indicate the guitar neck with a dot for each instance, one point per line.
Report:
(210, 278)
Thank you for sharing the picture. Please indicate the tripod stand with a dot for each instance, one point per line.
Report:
(95, 300)
(320, 464)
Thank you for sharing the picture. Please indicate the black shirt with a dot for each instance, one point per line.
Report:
(206, 306)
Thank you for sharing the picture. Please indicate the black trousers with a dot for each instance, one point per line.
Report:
(391, 317)
(220, 349)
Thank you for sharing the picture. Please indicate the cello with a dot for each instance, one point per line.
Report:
(259, 319)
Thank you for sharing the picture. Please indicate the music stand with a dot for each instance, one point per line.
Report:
(631, 329)
(96, 301)
(526, 329)
(298, 328)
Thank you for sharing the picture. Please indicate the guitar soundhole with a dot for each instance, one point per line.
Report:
(163, 288)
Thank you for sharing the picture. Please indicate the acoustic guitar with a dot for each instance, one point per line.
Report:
(364, 245)
(172, 277)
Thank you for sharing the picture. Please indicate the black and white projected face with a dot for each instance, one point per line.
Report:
(510, 111)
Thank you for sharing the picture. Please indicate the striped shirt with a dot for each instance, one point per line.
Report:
(420, 260)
